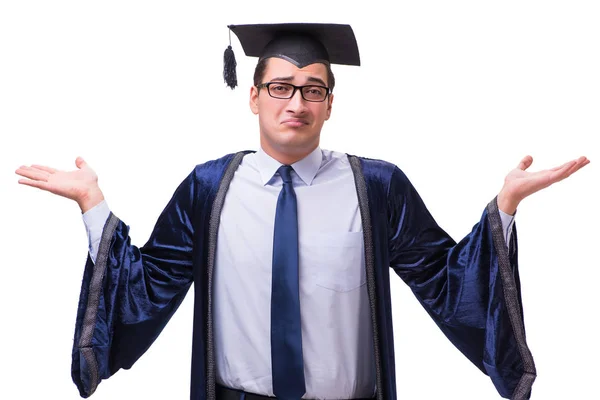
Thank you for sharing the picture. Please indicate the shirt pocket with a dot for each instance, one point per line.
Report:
(335, 260)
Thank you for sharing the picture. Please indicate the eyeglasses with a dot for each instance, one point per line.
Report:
(280, 90)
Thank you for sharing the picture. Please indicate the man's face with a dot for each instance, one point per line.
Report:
(290, 127)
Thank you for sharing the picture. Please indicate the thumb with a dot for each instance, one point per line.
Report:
(525, 163)
(80, 162)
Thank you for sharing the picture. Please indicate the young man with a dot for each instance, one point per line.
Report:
(290, 249)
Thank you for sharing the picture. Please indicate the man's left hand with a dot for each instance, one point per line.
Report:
(519, 183)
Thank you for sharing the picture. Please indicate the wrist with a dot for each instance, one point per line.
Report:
(90, 199)
(507, 204)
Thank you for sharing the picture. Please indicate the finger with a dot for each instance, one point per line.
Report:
(36, 184)
(581, 162)
(563, 172)
(576, 164)
(32, 173)
(525, 163)
(44, 168)
(80, 163)
(568, 163)
(566, 170)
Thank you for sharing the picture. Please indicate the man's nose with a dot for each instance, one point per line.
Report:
(297, 103)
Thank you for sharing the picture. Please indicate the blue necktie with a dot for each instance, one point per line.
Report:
(286, 335)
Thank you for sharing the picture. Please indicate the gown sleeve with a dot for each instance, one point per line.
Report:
(129, 294)
(471, 289)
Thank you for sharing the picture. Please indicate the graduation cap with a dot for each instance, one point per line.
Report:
(301, 44)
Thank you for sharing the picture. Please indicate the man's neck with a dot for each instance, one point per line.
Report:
(287, 158)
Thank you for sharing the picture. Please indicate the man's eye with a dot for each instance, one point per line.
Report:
(314, 90)
(280, 89)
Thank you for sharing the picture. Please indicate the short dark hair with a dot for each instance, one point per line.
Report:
(261, 67)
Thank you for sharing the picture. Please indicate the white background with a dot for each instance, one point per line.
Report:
(454, 92)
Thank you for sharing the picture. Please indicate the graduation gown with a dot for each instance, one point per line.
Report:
(471, 288)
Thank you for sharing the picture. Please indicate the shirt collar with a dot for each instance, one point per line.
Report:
(306, 168)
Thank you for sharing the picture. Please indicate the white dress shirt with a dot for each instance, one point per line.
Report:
(337, 340)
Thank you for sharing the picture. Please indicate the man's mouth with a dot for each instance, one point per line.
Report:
(295, 122)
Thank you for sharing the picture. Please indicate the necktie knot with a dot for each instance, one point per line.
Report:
(285, 171)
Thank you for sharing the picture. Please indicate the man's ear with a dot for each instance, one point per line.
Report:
(254, 99)
(329, 103)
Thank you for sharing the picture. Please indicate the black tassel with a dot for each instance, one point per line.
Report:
(229, 64)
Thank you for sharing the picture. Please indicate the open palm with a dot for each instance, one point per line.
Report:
(519, 183)
(80, 185)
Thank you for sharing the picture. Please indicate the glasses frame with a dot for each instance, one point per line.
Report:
(268, 84)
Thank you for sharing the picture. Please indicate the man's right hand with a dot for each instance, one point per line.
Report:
(80, 185)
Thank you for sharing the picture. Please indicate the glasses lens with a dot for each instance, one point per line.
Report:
(281, 90)
(314, 93)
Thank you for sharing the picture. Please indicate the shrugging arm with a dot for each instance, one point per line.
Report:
(471, 289)
(129, 294)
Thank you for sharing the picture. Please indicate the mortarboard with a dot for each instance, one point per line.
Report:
(301, 44)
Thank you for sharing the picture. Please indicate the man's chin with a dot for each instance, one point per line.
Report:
(293, 139)
(295, 143)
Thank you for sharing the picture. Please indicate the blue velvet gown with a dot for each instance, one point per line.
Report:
(471, 289)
